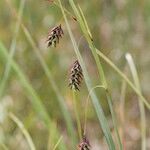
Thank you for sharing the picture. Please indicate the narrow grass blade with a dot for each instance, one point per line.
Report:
(141, 104)
(109, 99)
(123, 76)
(12, 48)
(67, 12)
(122, 112)
(85, 29)
(98, 108)
(23, 130)
(35, 100)
(88, 36)
(48, 73)
(82, 21)
(58, 142)
(60, 99)
(102, 75)
(86, 106)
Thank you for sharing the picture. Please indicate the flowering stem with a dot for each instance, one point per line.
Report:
(86, 106)
(77, 115)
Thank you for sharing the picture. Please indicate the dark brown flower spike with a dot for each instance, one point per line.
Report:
(54, 35)
(84, 145)
(76, 76)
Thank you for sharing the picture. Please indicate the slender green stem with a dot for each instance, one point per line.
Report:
(77, 114)
(102, 73)
(88, 36)
(84, 27)
(122, 111)
(86, 106)
(99, 111)
(109, 99)
(67, 12)
(122, 75)
(111, 109)
(24, 131)
(112, 113)
(141, 104)
(58, 142)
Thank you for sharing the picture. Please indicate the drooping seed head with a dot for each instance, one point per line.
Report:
(54, 35)
(76, 76)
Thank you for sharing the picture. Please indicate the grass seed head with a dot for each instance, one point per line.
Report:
(54, 35)
(76, 76)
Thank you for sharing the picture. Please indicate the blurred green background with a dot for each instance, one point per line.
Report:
(118, 27)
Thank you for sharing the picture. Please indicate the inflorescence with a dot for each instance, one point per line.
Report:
(84, 145)
(54, 35)
(76, 76)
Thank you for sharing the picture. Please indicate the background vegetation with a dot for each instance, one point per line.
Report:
(36, 105)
